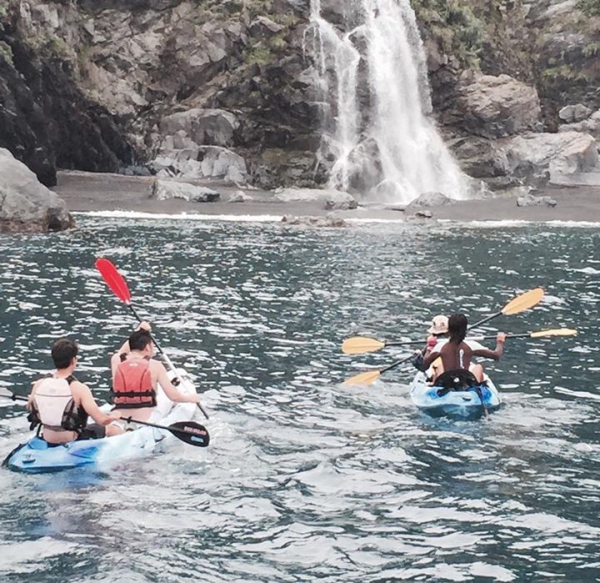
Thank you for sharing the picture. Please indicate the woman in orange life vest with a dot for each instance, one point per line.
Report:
(60, 404)
(456, 355)
(135, 377)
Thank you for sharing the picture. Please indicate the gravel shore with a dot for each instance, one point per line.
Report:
(88, 192)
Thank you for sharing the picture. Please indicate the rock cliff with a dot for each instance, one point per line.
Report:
(224, 88)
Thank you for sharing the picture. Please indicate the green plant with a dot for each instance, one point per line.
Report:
(58, 47)
(590, 7)
(258, 55)
(6, 53)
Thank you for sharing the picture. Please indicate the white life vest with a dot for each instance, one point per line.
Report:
(52, 399)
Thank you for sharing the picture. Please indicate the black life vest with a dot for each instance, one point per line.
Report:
(54, 407)
(455, 380)
(132, 385)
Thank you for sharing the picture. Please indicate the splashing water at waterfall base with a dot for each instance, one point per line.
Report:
(374, 95)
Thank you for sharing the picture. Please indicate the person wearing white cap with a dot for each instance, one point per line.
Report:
(439, 337)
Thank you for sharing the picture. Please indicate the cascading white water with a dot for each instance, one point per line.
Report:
(372, 78)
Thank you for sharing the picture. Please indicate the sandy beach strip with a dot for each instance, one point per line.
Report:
(97, 193)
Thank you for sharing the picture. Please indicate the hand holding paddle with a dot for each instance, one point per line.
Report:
(118, 286)
(515, 306)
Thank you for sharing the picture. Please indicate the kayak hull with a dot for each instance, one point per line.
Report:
(460, 405)
(36, 456)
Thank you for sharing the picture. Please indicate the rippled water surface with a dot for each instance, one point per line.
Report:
(307, 480)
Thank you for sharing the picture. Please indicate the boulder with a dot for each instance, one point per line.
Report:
(239, 196)
(531, 200)
(284, 7)
(264, 27)
(328, 221)
(590, 125)
(424, 214)
(201, 162)
(327, 199)
(562, 156)
(25, 203)
(429, 199)
(574, 113)
(170, 189)
(497, 106)
(198, 127)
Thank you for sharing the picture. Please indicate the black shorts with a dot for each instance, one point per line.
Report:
(93, 431)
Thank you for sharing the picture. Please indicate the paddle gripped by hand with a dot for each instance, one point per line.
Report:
(517, 305)
(119, 287)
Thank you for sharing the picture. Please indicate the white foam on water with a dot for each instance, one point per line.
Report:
(182, 216)
(521, 223)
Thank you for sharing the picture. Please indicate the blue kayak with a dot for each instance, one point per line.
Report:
(39, 457)
(465, 404)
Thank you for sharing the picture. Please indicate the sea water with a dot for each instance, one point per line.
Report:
(305, 479)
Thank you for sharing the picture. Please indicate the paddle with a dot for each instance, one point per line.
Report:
(13, 396)
(361, 345)
(366, 378)
(187, 431)
(118, 286)
(515, 306)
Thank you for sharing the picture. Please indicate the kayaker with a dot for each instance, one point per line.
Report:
(438, 331)
(456, 355)
(60, 404)
(135, 377)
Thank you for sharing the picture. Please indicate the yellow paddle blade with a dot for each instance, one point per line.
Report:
(360, 345)
(524, 302)
(364, 378)
(556, 332)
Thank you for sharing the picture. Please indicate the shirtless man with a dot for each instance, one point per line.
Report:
(135, 377)
(61, 404)
(456, 354)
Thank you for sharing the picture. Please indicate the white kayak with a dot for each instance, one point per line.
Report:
(37, 456)
(467, 404)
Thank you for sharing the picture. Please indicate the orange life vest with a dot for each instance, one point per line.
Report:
(132, 386)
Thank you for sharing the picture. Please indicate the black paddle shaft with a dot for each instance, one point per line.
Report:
(15, 397)
(187, 431)
(397, 363)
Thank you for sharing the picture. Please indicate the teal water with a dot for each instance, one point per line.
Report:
(306, 480)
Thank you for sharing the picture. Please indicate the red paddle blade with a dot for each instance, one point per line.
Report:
(113, 279)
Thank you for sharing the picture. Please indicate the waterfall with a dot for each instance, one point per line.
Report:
(373, 91)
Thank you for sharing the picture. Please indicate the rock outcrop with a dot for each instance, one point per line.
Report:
(223, 88)
(25, 203)
(328, 199)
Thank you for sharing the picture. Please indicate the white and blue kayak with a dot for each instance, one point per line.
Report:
(468, 404)
(38, 456)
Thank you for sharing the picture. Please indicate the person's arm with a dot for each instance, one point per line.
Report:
(91, 408)
(169, 389)
(125, 349)
(493, 354)
(430, 357)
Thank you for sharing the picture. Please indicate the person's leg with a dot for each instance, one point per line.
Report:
(438, 368)
(114, 429)
(477, 371)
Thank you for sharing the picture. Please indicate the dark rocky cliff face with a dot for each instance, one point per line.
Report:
(45, 118)
(89, 84)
